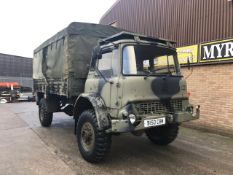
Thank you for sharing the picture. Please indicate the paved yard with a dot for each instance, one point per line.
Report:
(27, 148)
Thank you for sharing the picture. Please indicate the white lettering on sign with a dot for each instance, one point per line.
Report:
(208, 53)
(222, 50)
(219, 49)
(229, 49)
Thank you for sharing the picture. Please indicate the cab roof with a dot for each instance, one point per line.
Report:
(136, 37)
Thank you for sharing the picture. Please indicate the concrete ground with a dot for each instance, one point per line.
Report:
(27, 148)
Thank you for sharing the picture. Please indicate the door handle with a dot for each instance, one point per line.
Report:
(111, 81)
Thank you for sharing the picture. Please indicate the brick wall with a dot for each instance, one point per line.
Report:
(211, 86)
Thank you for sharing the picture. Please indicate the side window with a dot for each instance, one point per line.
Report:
(105, 65)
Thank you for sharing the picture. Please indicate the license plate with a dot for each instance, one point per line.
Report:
(154, 122)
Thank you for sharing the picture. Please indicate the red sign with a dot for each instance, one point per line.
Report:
(9, 84)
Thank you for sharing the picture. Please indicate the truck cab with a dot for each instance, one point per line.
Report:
(111, 82)
(134, 84)
(139, 82)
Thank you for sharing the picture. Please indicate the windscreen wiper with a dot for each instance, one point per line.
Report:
(153, 73)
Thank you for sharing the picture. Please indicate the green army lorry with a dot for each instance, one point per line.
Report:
(111, 81)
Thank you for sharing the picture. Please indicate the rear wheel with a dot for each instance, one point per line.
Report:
(163, 135)
(94, 143)
(45, 117)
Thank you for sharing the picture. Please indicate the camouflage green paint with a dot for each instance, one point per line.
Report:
(63, 72)
(122, 92)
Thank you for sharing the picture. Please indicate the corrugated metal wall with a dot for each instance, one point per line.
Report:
(16, 68)
(185, 21)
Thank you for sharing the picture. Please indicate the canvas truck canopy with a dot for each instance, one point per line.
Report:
(63, 58)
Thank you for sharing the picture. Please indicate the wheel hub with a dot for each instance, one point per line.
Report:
(87, 136)
(41, 113)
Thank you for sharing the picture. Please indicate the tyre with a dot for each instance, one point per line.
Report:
(163, 135)
(45, 117)
(93, 142)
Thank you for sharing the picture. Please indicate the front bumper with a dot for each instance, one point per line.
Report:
(124, 125)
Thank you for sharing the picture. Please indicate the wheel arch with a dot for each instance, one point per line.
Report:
(82, 104)
(96, 103)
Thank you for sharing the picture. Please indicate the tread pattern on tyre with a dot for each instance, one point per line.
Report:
(47, 116)
(102, 139)
(163, 135)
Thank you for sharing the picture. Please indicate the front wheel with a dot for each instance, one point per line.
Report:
(94, 143)
(163, 135)
(45, 117)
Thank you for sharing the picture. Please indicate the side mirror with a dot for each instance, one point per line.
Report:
(99, 55)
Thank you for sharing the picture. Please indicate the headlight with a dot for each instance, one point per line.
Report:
(132, 118)
(190, 109)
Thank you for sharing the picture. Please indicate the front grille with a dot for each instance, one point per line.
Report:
(158, 107)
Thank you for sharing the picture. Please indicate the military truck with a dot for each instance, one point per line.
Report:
(111, 82)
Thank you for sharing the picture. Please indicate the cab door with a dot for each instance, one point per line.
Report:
(103, 76)
(104, 79)
(116, 90)
(108, 66)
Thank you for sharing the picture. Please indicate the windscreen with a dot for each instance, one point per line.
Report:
(147, 59)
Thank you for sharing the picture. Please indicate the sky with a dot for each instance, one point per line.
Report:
(25, 24)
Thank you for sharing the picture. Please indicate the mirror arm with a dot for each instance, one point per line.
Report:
(189, 66)
(100, 73)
